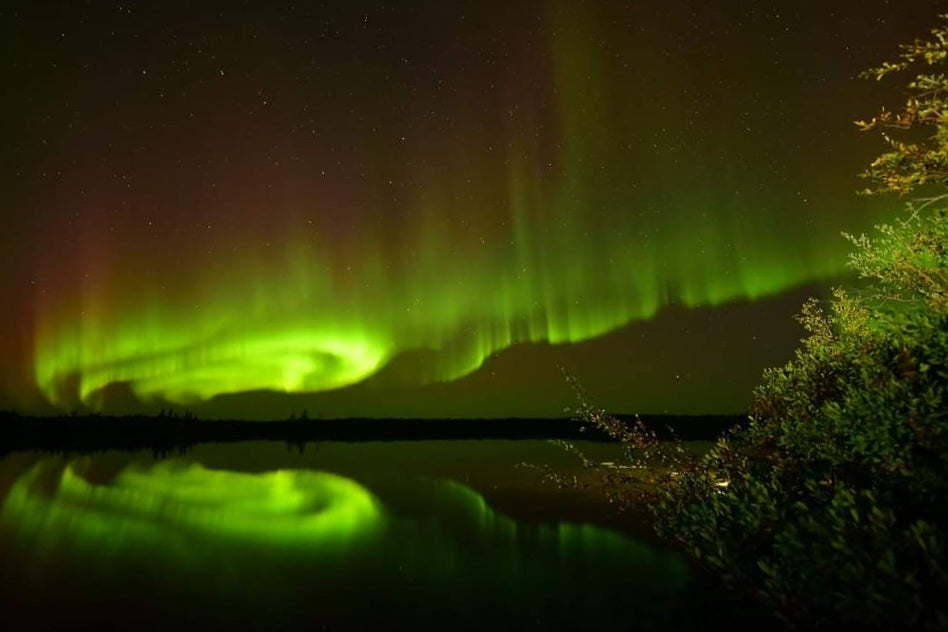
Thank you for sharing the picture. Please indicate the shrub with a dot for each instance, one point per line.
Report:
(831, 505)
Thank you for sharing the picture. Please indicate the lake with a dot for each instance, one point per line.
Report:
(328, 535)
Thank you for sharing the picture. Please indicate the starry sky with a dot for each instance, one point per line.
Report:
(421, 209)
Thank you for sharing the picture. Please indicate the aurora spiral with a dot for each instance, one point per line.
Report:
(305, 201)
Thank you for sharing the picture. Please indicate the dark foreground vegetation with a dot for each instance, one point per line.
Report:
(830, 507)
(172, 433)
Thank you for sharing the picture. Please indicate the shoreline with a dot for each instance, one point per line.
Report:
(168, 434)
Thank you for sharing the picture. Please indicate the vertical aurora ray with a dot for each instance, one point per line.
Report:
(583, 195)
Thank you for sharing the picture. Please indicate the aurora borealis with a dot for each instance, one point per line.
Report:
(421, 208)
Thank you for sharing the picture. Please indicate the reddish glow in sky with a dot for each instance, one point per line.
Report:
(392, 210)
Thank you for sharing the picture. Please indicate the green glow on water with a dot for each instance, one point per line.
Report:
(170, 504)
(294, 545)
(568, 539)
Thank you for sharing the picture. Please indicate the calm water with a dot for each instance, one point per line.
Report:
(340, 536)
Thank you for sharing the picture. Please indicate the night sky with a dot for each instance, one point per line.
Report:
(248, 209)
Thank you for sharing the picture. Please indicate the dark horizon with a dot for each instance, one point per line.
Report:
(175, 434)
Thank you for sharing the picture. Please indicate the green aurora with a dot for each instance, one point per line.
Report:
(603, 179)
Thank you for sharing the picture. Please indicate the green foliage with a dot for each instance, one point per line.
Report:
(835, 507)
(831, 505)
(907, 263)
(912, 164)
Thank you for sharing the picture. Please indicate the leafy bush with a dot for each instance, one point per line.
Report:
(831, 505)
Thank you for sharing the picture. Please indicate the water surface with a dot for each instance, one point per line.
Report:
(263, 535)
